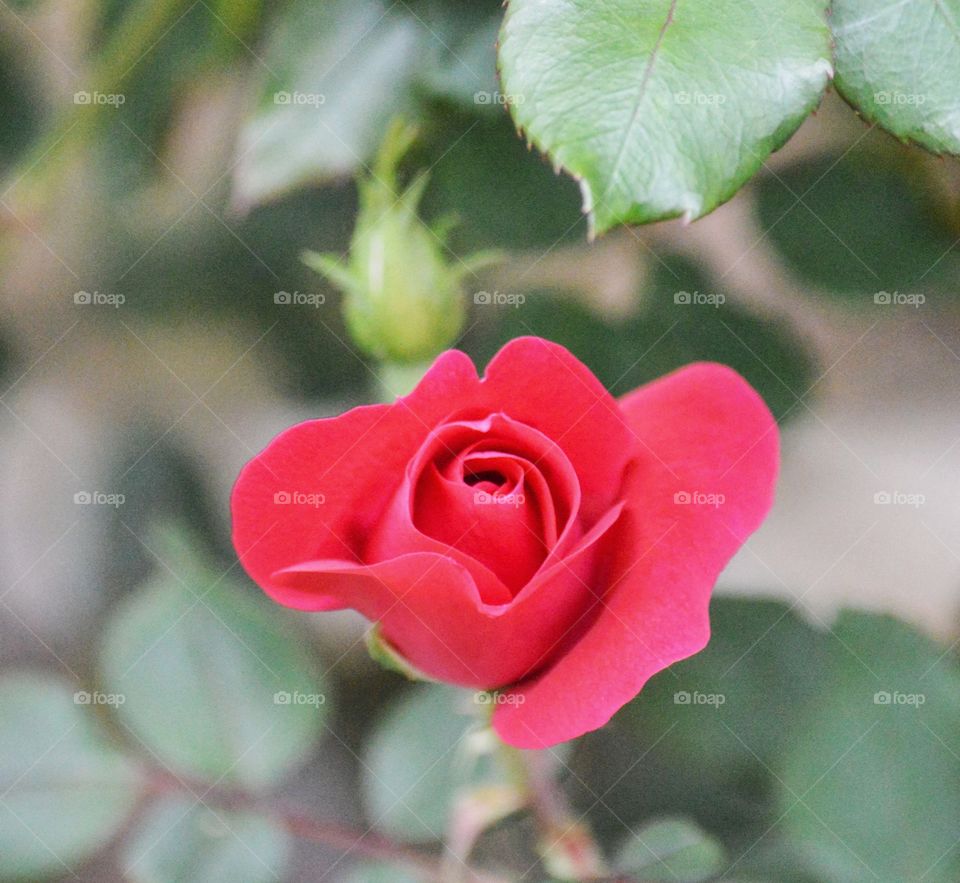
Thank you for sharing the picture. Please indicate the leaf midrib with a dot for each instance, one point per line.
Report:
(641, 94)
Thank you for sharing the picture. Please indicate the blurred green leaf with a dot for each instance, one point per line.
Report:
(501, 193)
(418, 756)
(710, 728)
(182, 841)
(662, 109)
(855, 227)
(378, 873)
(898, 64)
(65, 790)
(218, 685)
(339, 71)
(672, 849)
(663, 336)
(872, 790)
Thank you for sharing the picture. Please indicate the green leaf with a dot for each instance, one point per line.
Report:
(672, 849)
(421, 752)
(872, 790)
(182, 841)
(501, 194)
(710, 728)
(340, 70)
(898, 64)
(217, 681)
(662, 108)
(859, 229)
(65, 791)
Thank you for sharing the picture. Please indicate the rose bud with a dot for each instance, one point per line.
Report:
(524, 533)
(403, 300)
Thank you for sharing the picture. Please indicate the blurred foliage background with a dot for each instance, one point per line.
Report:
(164, 163)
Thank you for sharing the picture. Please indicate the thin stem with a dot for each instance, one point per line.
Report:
(566, 844)
(298, 822)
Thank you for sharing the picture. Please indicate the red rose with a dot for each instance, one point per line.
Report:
(525, 531)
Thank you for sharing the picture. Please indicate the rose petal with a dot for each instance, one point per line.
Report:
(540, 383)
(429, 609)
(431, 513)
(356, 461)
(701, 430)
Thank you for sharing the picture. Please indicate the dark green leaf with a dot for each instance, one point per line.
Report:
(872, 789)
(659, 108)
(856, 228)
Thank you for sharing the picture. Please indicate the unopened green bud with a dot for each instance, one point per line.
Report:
(403, 300)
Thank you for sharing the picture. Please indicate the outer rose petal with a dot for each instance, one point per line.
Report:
(355, 460)
(429, 610)
(701, 429)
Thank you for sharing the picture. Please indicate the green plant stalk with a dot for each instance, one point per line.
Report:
(566, 844)
(142, 27)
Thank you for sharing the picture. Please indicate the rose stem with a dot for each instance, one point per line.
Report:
(338, 836)
(566, 844)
